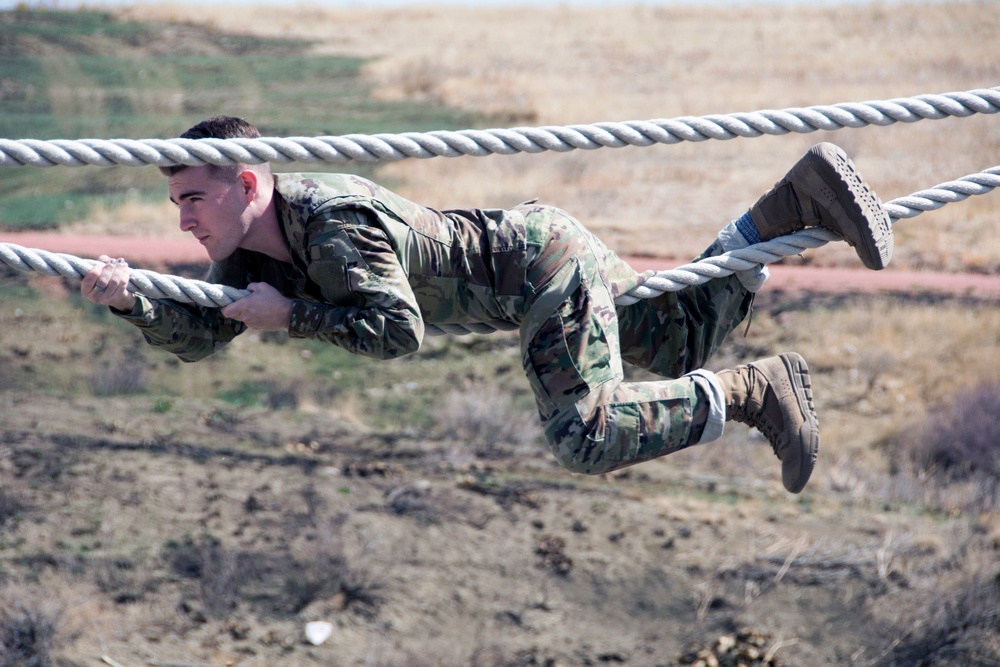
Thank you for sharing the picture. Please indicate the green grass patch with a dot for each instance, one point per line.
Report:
(108, 79)
(15, 293)
(37, 212)
(247, 394)
(65, 28)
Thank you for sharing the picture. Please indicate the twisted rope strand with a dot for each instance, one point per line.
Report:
(726, 264)
(946, 193)
(392, 147)
(150, 283)
(206, 294)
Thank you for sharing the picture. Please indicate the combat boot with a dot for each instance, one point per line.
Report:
(825, 188)
(774, 395)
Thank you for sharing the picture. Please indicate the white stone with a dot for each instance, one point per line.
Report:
(318, 632)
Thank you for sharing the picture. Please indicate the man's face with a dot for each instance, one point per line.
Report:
(215, 211)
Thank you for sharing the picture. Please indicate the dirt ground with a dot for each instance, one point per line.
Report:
(420, 552)
(204, 534)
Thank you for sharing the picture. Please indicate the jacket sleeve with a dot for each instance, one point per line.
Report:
(368, 305)
(189, 331)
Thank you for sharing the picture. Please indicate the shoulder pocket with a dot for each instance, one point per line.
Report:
(332, 257)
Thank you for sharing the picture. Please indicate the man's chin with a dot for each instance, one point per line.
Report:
(217, 255)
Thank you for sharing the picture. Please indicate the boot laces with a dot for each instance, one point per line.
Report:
(753, 419)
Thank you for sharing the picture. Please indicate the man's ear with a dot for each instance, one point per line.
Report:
(249, 181)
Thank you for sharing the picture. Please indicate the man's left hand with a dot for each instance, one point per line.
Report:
(265, 308)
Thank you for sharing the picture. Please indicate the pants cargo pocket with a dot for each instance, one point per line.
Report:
(569, 355)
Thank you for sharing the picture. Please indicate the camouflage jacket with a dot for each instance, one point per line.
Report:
(368, 269)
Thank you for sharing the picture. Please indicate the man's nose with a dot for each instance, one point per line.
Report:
(187, 222)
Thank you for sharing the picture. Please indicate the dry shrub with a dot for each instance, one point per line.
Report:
(117, 379)
(487, 419)
(949, 618)
(221, 572)
(12, 507)
(324, 575)
(325, 568)
(954, 447)
(27, 635)
(962, 440)
(123, 580)
(272, 583)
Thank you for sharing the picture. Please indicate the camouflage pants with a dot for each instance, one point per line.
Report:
(574, 339)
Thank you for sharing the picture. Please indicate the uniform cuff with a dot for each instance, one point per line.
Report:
(305, 319)
(732, 238)
(141, 313)
(716, 424)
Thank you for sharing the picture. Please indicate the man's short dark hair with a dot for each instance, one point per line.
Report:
(219, 127)
(222, 127)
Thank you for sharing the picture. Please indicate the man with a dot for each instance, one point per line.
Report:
(338, 258)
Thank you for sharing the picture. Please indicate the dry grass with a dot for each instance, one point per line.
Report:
(949, 616)
(877, 377)
(29, 630)
(879, 368)
(134, 217)
(201, 539)
(564, 65)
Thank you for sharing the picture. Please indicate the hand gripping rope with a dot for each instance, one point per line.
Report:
(388, 147)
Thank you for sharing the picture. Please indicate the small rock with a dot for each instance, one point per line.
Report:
(318, 632)
(726, 644)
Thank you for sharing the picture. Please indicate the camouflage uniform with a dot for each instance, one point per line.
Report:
(370, 268)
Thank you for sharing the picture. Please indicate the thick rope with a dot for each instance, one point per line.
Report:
(150, 283)
(195, 291)
(728, 263)
(392, 147)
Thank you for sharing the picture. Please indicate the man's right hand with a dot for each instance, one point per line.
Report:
(107, 284)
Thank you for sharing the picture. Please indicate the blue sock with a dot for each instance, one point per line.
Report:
(749, 230)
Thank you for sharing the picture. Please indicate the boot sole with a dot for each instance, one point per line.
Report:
(856, 209)
(797, 466)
